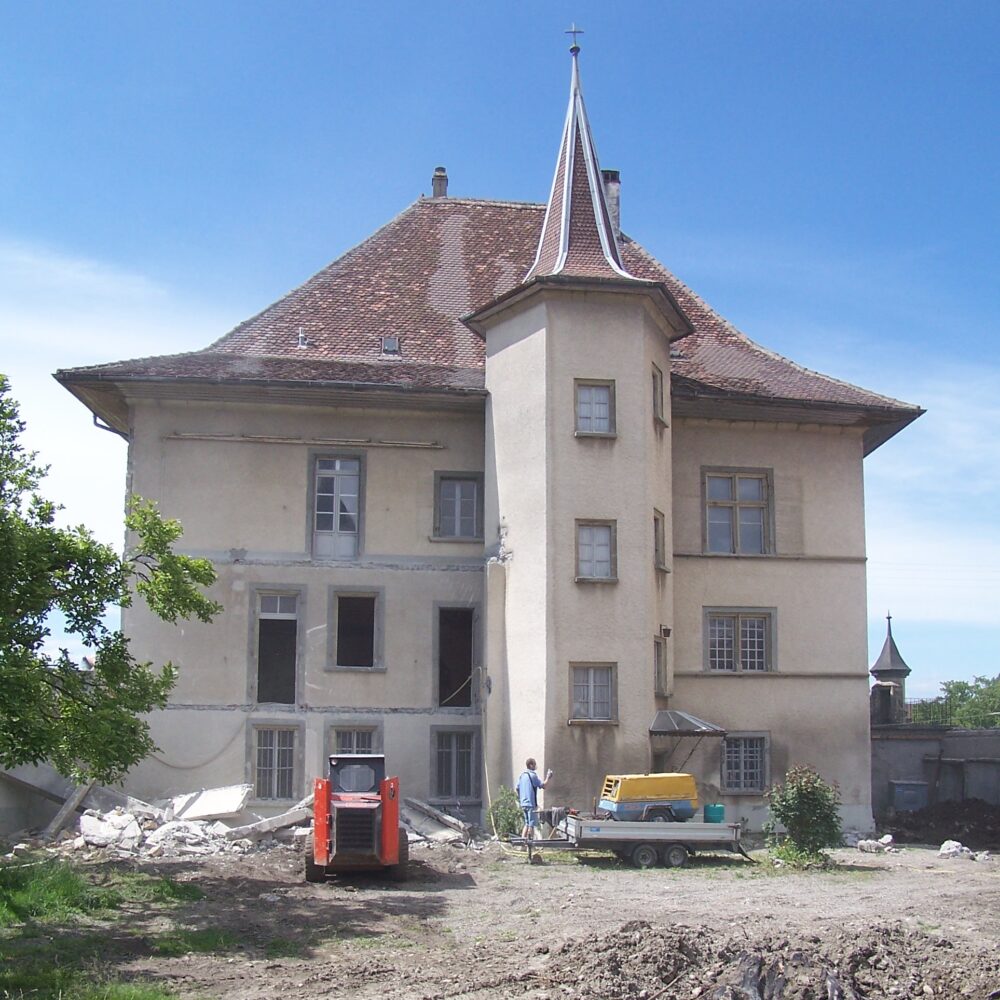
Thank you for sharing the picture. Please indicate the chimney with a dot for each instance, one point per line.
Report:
(613, 196)
(439, 183)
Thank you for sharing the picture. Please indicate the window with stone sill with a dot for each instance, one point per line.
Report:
(738, 511)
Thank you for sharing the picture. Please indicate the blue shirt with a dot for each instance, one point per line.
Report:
(527, 789)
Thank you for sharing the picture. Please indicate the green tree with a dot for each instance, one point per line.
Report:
(85, 721)
(971, 705)
(806, 806)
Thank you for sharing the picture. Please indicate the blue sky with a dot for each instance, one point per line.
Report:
(824, 174)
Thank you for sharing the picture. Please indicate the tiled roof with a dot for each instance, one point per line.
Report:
(577, 236)
(437, 261)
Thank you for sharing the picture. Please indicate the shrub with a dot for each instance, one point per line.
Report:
(505, 813)
(806, 806)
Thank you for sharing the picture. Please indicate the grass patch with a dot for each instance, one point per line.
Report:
(174, 944)
(49, 890)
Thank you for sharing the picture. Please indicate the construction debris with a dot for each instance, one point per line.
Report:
(883, 845)
(211, 803)
(973, 822)
(431, 824)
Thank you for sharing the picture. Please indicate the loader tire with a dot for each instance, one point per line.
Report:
(400, 871)
(645, 856)
(314, 872)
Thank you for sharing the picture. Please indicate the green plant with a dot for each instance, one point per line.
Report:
(87, 721)
(33, 890)
(806, 806)
(505, 813)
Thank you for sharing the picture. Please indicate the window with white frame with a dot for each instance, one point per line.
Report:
(595, 407)
(658, 394)
(458, 505)
(594, 697)
(276, 648)
(744, 763)
(737, 511)
(274, 750)
(337, 507)
(596, 558)
(659, 540)
(739, 640)
(456, 763)
(353, 740)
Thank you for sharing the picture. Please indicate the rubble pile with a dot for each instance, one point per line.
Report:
(884, 845)
(973, 822)
(643, 960)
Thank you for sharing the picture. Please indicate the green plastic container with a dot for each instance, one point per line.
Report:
(715, 813)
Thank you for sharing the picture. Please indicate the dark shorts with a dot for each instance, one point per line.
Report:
(530, 816)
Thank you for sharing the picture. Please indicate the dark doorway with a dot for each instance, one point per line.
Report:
(276, 640)
(455, 643)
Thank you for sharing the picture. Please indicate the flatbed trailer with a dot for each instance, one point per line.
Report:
(643, 844)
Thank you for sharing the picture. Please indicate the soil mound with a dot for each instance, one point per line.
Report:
(645, 961)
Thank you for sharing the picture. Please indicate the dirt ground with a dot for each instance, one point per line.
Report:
(487, 925)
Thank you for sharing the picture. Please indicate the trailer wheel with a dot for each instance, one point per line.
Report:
(675, 856)
(314, 872)
(400, 871)
(644, 856)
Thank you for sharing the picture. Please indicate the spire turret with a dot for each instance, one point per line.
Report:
(578, 235)
(890, 665)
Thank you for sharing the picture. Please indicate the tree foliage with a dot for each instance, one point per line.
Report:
(506, 815)
(970, 704)
(84, 720)
(806, 806)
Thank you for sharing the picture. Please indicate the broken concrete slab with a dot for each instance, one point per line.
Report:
(67, 809)
(211, 803)
(114, 829)
(427, 828)
(292, 817)
(439, 817)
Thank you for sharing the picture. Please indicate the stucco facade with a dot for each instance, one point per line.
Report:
(495, 484)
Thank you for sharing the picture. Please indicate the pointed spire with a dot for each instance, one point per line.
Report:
(890, 664)
(578, 238)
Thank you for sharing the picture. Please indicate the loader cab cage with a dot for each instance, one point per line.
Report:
(357, 772)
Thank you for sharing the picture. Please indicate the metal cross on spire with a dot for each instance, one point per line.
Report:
(574, 31)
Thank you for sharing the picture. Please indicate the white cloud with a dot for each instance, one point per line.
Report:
(62, 311)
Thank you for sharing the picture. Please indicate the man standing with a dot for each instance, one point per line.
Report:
(527, 795)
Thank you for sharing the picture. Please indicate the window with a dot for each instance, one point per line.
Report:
(660, 679)
(737, 512)
(458, 505)
(391, 344)
(595, 407)
(594, 697)
(658, 395)
(456, 763)
(276, 647)
(455, 641)
(356, 632)
(744, 763)
(274, 762)
(659, 540)
(354, 741)
(596, 558)
(337, 518)
(739, 640)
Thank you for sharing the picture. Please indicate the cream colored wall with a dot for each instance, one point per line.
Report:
(517, 504)
(255, 498)
(814, 705)
(546, 479)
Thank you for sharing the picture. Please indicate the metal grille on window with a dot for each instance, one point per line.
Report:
(354, 740)
(744, 763)
(721, 643)
(594, 550)
(753, 643)
(338, 485)
(456, 777)
(458, 508)
(593, 409)
(275, 765)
